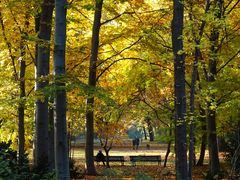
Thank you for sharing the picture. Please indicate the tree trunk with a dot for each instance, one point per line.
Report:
(21, 105)
(204, 136)
(51, 159)
(42, 71)
(212, 144)
(192, 110)
(168, 149)
(179, 90)
(90, 168)
(107, 157)
(150, 128)
(60, 128)
(145, 133)
(214, 166)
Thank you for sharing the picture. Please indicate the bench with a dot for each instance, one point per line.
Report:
(135, 159)
(114, 159)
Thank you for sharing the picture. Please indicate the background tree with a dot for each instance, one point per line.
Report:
(179, 90)
(92, 84)
(42, 72)
(60, 129)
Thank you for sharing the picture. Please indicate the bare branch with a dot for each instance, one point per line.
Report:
(233, 7)
(155, 111)
(109, 20)
(228, 61)
(131, 58)
(9, 46)
(131, 45)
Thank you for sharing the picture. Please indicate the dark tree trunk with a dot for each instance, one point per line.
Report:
(203, 149)
(107, 157)
(192, 159)
(197, 57)
(179, 87)
(42, 71)
(168, 149)
(51, 159)
(150, 128)
(145, 133)
(204, 136)
(21, 105)
(60, 124)
(212, 144)
(90, 168)
(214, 166)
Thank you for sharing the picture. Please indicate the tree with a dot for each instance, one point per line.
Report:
(179, 90)
(214, 166)
(92, 84)
(109, 130)
(197, 36)
(22, 101)
(60, 129)
(42, 71)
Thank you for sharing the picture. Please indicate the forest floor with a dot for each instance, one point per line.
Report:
(143, 171)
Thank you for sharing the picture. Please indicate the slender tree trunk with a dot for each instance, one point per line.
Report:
(197, 57)
(150, 128)
(214, 166)
(168, 149)
(107, 157)
(204, 136)
(21, 105)
(179, 87)
(51, 159)
(192, 110)
(37, 20)
(60, 128)
(145, 133)
(90, 168)
(42, 71)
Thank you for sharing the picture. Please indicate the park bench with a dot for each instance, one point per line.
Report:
(113, 159)
(135, 159)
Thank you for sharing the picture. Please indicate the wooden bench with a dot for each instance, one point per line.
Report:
(113, 159)
(135, 159)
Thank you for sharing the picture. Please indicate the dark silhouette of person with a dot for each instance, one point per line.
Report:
(100, 157)
(134, 143)
(137, 142)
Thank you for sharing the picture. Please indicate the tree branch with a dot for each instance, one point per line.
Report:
(9, 46)
(120, 51)
(155, 111)
(228, 61)
(109, 20)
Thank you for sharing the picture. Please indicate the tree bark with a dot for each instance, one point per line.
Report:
(192, 110)
(51, 159)
(21, 106)
(42, 71)
(168, 148)
(90, 168)
(179, 90)
(145, 133)
(150, 128)
(214, 166)
(60, 128)
(204, 136)
(22, 97)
